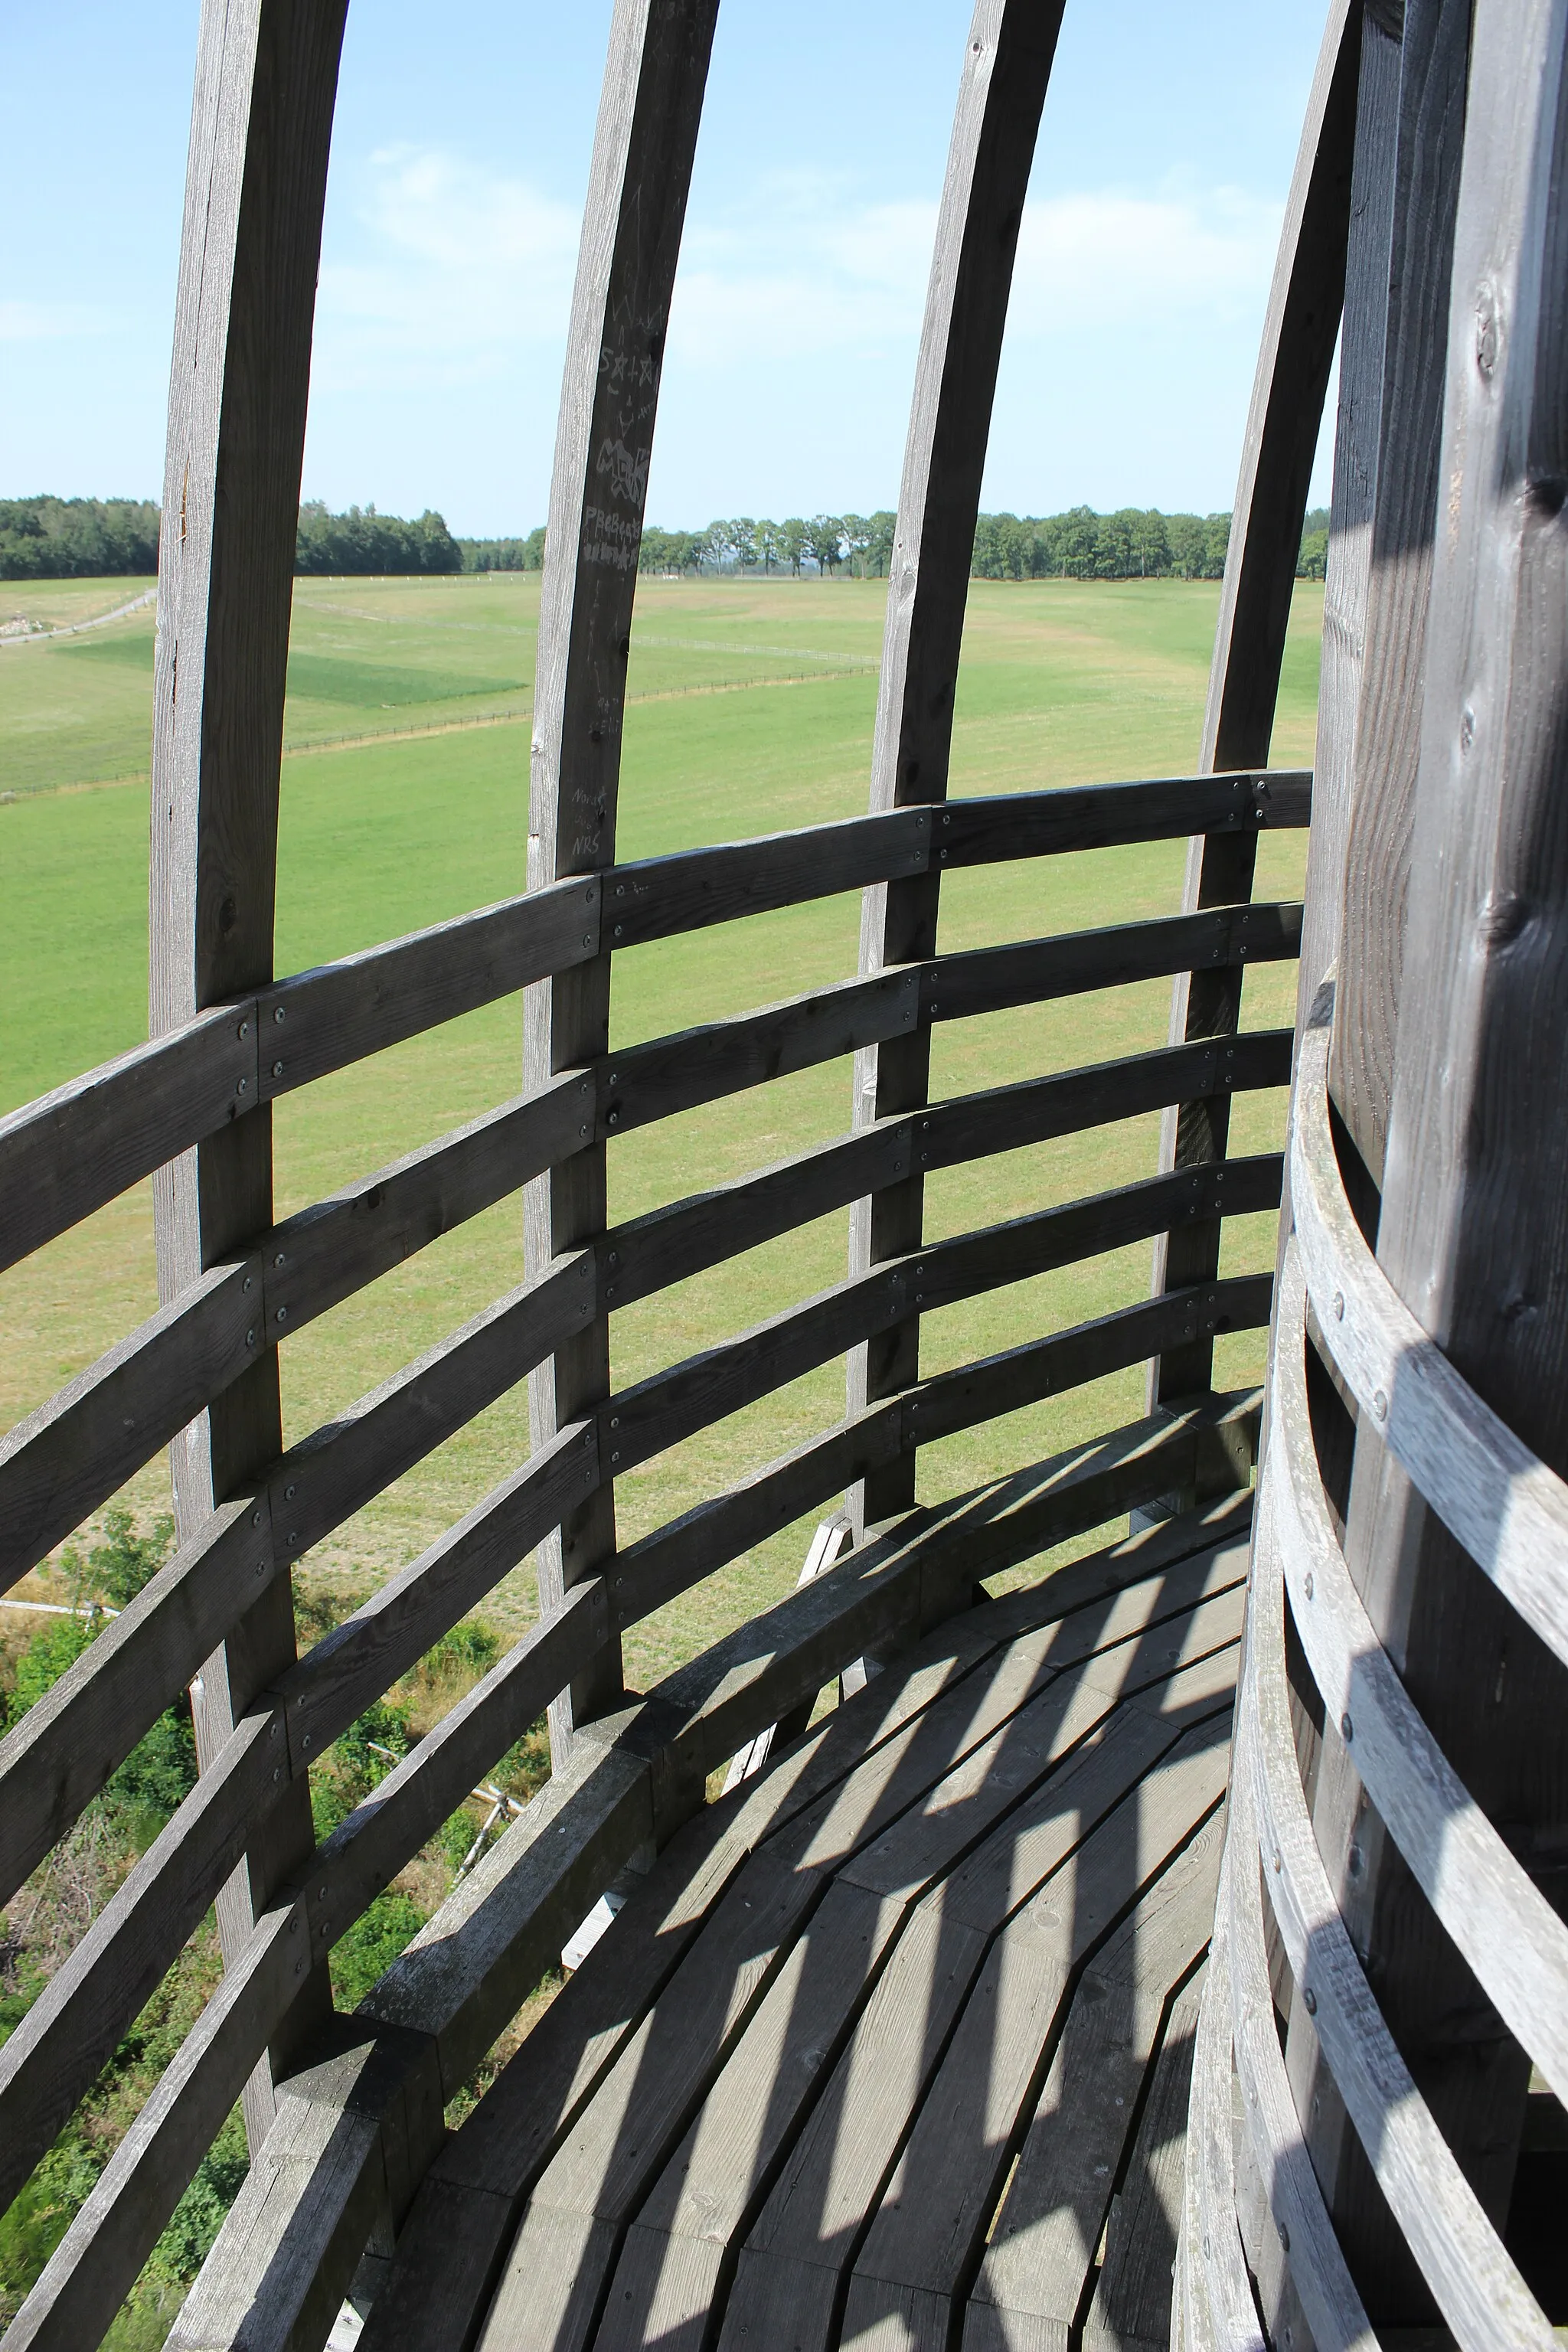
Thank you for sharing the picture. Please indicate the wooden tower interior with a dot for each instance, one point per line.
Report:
(1086, 1911)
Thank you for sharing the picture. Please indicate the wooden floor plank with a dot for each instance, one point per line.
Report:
(833, 2177)
(919, 2249)
(1131, 2306)
(602, 2121)
(1036, 2267)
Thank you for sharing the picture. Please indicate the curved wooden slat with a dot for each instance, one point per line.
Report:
(1477, 2288)
(1502, 1502)
(1001, 89)
(1215, 2293)
(1496, 1914)
(1293, 365)
(1318, 2269)
(74, 1149)
(73, 1452)
(74, 2027)
(97, 2262)
(60, 1755)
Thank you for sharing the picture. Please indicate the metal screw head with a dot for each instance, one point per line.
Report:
(1310, 1999)
(1277, 1859)
(614, 1458)
(282, 1315)
(250, 1338)
(245, 1028)
(1310, 1586)
(277, 1013)
(617, 930)
(256, 1518)
(241, 1086)
(1347, 1729)
(287, 1494)
(614, 1420)
(1380, 1405)
(248, 1284)
(278, 1069)
(278, 1259)
(1338, 1307)
(588, 939)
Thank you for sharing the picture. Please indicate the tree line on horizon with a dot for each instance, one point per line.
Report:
(47, 538)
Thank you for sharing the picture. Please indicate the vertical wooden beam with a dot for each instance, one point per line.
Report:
(1001, 92)
(647, 136)
(1471, 1230)
(1377, 856)
(261, 126)
(1293, 365)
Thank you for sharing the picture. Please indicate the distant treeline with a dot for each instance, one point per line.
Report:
(65, 539)
(364, 543)
(76, 538)
(1134, 543)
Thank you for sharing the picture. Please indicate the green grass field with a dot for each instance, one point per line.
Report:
(405, 801)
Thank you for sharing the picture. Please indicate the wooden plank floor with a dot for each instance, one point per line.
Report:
(892, 2050)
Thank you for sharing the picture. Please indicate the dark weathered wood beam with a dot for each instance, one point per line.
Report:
(649, 114)
(1001, 89)
(1470, 1230)
(261, 127)
(1293, 367)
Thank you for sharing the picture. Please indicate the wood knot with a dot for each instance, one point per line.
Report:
(1503, 916)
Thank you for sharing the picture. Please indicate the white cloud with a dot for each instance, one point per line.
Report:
(440, 272)
(45, 322)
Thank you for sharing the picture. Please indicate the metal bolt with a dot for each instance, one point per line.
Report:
(1310, 1998)
(581, 1130)
(935, 1009)
(1380, 1405)
(588, 939)
(250, 1338)
(617, 930)
(614, 1420)
(248, 1284)
(241, 1086)
(256, 1518)
(305, 1742)
(615, 1078)
(947, 820)
(282, 1315)
(278, 1069)
(614, 1458)
(278, 1259)
(245, 1028)
(1310, 1586)
(1347, 1729)
(1278, 1860)
(287, 1494)
(277, 1013)
(1338, 1307)
(614, 1119)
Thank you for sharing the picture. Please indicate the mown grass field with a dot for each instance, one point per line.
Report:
(405, 801)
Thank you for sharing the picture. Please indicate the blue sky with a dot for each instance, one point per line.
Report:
(458, 165)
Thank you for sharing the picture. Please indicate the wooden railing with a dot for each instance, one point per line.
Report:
(635, 1773)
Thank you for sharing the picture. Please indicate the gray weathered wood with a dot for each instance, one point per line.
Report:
(648, 113)
(80, 1447)
(1132, 2306)
(1476, 2285)
(78, 1146)
(1002, 89)
(1368, 902)
(1293, 366)
(1370, 268)
(1044, 2239)
(72, 2029)
(1470, 1231)
(75, 1148)
(256, 185)
(97, 2262)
